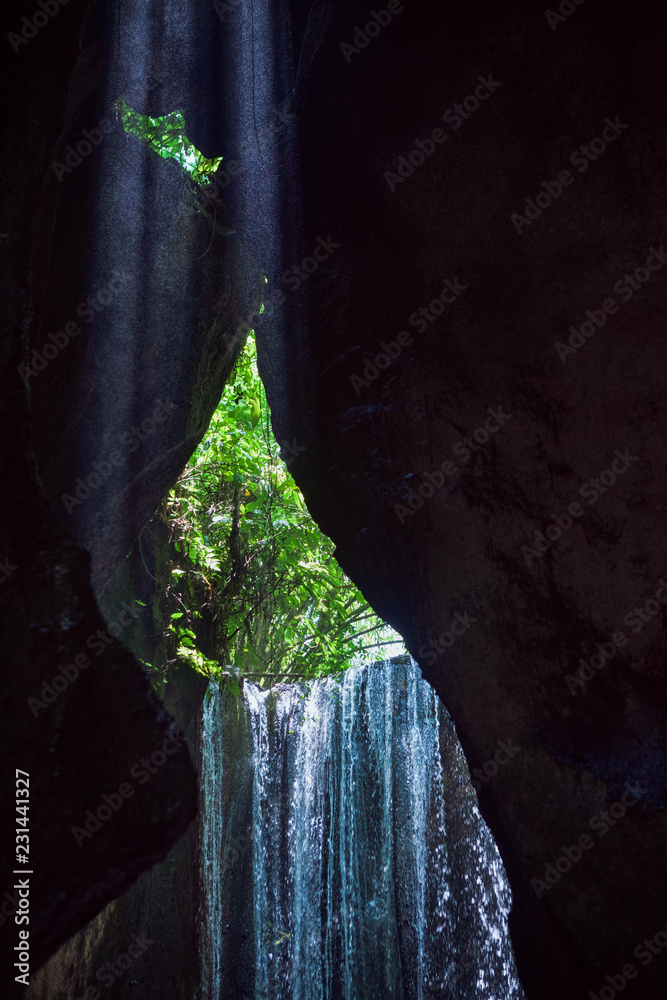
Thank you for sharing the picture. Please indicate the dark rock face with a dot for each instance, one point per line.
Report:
(102, 354)
(431, 227)
(82, 720)
(155, 922)
(160, 293)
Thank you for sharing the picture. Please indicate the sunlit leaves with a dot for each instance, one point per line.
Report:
(280, 601)
(166, 136)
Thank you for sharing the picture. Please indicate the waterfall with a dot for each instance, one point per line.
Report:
(344, 855)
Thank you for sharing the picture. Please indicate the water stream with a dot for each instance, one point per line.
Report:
(344, 854)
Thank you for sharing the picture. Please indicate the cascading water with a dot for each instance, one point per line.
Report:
(344, 854)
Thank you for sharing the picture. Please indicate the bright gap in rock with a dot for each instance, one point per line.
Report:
(166, 136)
(254, 582)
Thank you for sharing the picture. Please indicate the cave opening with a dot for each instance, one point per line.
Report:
(430, 374)
(253, 582)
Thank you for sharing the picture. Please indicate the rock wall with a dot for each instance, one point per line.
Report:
(145, 943)
(121, 323)
(476, 382)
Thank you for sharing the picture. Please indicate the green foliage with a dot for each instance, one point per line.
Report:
(277, 598)
(166, 136)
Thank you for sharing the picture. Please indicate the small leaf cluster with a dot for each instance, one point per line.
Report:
(166, 136)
